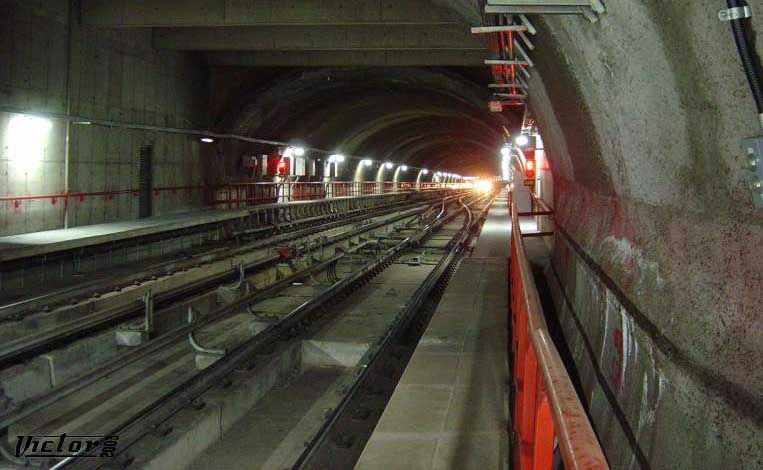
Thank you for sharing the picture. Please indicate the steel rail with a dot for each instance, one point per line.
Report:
(17, 350)
(38, 403)
(186, 393)
(307, 457)
(11, 311)
(546, 403)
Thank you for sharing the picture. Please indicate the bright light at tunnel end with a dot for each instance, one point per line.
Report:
(483, 186)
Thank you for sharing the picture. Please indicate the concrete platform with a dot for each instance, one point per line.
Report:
(41, 243)
(450, 409)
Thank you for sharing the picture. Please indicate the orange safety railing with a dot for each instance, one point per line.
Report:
(546, 407)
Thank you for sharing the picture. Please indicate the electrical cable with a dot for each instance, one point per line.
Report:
(750, 61)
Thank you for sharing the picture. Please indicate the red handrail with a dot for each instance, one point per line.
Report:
(105, 193)
(237, 194)
(545, 402)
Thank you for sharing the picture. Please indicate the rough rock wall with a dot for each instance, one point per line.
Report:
(657, 269)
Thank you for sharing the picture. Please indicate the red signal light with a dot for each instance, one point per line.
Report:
(282, 167)
(530, 169)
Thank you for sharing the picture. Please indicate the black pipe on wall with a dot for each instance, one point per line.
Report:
(750, 60)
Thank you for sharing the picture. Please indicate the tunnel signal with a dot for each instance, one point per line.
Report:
(283, 167)
(530, 168)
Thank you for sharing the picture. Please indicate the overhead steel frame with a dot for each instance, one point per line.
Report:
(510, 39)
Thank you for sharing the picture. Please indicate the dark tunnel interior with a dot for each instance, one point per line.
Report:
(227, 208)
(419, 116)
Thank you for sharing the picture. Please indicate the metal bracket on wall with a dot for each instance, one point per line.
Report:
(511, 42)
(753, 148)
(738, 13)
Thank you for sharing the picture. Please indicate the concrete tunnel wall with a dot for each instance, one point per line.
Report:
(115, 75)
(656, 271)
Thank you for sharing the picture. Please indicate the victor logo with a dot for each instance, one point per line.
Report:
(65, 445)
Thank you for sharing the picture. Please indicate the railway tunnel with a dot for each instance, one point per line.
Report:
(408, 234)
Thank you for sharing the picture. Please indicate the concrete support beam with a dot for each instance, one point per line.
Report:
(347, 58)
(326, 38)
(211, 13)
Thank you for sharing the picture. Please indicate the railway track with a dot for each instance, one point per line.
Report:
(241, 242)
(19, 349)
(218, 329)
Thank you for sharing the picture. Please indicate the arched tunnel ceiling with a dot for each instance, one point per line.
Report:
(420, 116)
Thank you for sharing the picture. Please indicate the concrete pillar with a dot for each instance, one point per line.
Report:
(382, 168)
(360, 170)
(422, 172)
(398, 174)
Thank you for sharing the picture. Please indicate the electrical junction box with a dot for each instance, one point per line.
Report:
(753, 148)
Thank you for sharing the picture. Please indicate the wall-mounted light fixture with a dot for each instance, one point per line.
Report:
(522, 140)
(207, 140)
(27, 139)
(367, 162)
(389, 165)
